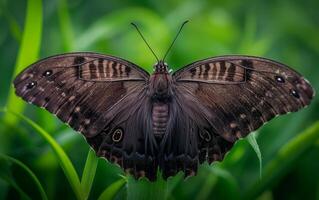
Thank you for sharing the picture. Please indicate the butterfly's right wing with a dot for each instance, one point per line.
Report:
(230, 96)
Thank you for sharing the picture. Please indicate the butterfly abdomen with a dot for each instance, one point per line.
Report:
(159, 118)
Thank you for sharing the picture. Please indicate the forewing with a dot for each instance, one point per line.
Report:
(235, 95)
(57, 84)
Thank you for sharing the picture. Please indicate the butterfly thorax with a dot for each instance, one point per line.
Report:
(160, 83)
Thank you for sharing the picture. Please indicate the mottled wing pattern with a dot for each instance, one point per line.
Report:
(178, 149)
(100, 69)
(97, 95)
(231, 96)
(127, 138)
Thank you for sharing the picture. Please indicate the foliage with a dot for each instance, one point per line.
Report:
(41, 158)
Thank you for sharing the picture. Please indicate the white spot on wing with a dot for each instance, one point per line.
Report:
(71, 98)
(233, 125)
(77, 109)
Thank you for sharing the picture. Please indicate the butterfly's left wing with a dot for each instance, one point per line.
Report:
(103, 97)
(228, 97)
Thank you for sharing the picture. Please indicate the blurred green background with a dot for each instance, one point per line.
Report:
(41, 158)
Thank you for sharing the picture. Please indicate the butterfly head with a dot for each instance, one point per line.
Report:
(161, 67)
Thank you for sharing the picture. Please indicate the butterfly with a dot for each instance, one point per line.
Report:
(167, 121)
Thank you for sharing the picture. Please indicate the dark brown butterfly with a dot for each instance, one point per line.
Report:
(173, 122)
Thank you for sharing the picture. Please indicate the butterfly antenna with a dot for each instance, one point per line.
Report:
(145, 40)
(180, 29)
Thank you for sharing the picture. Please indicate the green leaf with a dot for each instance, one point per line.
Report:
(232, 186)
(144, 189)
(29, 172)
(217, 182)
(251, 138)
(209, 184)
(28, 52)
(64, 160)
(110, 192)
(286, 156)
(172, 184)
(89, 173)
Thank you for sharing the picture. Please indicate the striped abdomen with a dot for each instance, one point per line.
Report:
(159, 118)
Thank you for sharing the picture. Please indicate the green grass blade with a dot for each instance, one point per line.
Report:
(28, 52)
(6, 176)
(65, 26)
(251, 138)
(14, 27)
(283, 160)
(64, 160)
(29, 172)
(110, 192)
(22, 194)
(89, 173)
